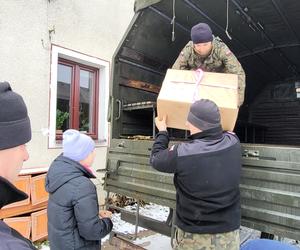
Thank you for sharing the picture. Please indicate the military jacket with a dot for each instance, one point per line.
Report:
(221, 59)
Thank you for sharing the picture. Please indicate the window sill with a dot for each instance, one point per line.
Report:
(98, 143)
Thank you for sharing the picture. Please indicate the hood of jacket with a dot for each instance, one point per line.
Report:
(62, 170)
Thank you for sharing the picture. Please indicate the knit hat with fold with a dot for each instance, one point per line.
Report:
(201, 33)
(15, 127)
(204, 114)
(77, 146)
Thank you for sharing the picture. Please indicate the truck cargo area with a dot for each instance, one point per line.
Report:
(264, 39)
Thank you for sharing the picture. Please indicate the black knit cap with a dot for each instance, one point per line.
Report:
(201, 33)
(204, 114)
(15, 127)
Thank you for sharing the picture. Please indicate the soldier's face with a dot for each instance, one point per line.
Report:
(203, 49)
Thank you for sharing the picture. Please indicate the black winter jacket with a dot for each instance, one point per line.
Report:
(73, 220)
(206, 177)
(10, 238)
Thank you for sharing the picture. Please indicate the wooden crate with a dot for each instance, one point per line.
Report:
(39, 223)
(38, 192)
(20, 224)
(34, 186)
(33, 226)
(15, 211)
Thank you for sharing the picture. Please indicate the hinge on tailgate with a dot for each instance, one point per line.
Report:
(254, 154)
(113, 167)
(251, 153)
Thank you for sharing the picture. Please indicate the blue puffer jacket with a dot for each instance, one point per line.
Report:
(73, 220)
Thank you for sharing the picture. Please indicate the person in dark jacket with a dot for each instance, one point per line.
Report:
(206, 177)
(73, 212)
(15, 132)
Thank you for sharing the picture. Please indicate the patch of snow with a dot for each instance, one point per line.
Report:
(153, 211)
(121, 226)
(155, 242)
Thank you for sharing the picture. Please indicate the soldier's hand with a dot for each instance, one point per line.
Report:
(161, 124)
(105, 214)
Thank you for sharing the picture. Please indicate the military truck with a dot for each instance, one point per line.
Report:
(264, 36)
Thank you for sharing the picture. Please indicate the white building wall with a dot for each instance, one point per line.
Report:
(28, 28)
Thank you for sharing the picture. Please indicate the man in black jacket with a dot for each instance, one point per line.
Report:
(206, 177)
(15, 131)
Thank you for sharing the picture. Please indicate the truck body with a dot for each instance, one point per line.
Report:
(265, 39)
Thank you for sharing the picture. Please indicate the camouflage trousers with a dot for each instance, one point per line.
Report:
(193, 241)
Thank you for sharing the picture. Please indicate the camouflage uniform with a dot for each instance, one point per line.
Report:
(192, 241)
(221, 59)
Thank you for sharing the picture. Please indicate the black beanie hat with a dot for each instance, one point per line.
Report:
(201, 33)
(204, 114)
(14, 122)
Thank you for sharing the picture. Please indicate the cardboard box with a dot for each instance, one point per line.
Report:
(180, 89)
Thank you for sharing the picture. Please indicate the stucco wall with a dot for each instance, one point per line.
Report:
(92, 27)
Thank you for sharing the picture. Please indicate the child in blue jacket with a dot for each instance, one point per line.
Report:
(73, 212)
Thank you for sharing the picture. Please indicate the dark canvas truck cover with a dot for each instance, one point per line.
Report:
(265, 38)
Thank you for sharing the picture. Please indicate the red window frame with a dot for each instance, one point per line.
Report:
(75, 96)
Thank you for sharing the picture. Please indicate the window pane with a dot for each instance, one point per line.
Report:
(64, 79)
(86, 101)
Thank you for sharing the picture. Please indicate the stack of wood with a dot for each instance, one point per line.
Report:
(29, 217)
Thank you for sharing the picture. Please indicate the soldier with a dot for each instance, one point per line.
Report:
(206, 177)
(210, 54)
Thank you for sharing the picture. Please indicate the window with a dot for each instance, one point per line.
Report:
(77, 98)
(79, 93)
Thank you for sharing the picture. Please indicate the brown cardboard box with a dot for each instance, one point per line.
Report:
(179, 90)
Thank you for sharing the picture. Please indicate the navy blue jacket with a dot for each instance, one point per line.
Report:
(10, 238)
(73, 212)
(206, 177)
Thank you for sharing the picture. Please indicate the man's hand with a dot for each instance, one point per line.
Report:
(105, 214)
(161, 124)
